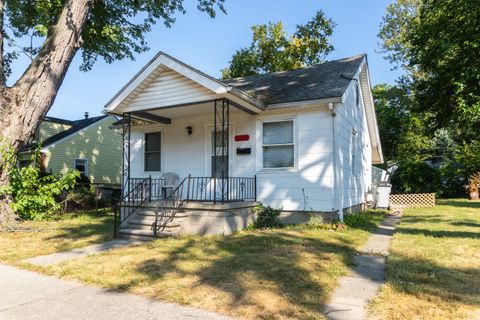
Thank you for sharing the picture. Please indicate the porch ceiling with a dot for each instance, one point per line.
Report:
(183, 111)
(166, 114)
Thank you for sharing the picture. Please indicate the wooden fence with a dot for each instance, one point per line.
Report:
(412, 200)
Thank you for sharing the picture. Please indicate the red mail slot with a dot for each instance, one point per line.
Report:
(242, 137)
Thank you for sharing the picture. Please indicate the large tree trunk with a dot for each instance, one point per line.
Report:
(24, 105)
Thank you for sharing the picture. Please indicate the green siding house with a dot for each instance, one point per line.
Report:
(91, 145)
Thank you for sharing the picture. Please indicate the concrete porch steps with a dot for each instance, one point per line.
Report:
(139, 225)
(193, 218)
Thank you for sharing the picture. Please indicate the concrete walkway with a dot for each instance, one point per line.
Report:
(54, 258)
(351, 298)
(28, 295)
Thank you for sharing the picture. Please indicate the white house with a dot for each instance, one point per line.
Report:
(300, 141)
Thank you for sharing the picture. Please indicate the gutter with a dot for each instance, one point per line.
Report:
(242, 95)
(305, 103)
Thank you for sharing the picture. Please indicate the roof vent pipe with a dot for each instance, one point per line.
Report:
(86, 115)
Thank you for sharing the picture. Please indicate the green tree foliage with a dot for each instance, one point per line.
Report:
(273, 50)
(425, 160)
(438, 42)
(401, 130)
(115, 29)
(34, 195)
(415, 177)
(51, 33)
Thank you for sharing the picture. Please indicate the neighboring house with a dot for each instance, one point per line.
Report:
(90, 145)
(300, 141)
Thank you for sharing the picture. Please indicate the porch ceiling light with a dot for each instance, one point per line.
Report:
(189, 130)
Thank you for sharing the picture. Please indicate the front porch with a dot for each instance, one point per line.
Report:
(180, 121)
(197, 205)
(167, 142)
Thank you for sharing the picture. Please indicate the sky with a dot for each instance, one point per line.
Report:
(208, 45)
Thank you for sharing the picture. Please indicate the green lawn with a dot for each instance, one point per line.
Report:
(279, 274)
(39, 238)
(433, 271)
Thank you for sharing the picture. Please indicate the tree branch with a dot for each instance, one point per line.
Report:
(34, 93)
(61, 44)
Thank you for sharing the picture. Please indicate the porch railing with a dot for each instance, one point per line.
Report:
(154, 189)
(131, 201)
(205, 189)
(210, 189)
(169, 207)
(201, 189)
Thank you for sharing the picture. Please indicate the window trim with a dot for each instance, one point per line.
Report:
(86, 165)
(283, 118)
(144, 153)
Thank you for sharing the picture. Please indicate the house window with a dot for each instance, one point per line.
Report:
(278, 146)
(81, 166)
(152, 151)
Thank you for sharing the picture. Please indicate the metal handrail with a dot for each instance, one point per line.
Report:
(189, 189)
(171, 205)
(139, 190)
(200, 189)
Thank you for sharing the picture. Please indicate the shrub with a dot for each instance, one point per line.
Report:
(362, 220)
(80, 198)
(316, 221)
(34, 195)
(267, 217)
(357, 220)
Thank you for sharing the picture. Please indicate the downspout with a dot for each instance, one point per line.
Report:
(334, 164)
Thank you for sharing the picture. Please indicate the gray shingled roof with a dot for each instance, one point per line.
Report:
(58, 120)
(77, 126)
(327, 80)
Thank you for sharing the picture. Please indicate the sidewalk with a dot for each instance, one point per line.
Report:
(58, 257)
(351, 298)
(28, 295)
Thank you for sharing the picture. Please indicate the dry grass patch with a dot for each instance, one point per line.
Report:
(433, 271)
(280, 274)
(40, 238)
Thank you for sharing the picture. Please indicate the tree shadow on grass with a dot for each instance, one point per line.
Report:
(438, 233)
(421, 278)
(466, 223)
(460, 203)
(271, 262)
(101, 226)
(431, 218)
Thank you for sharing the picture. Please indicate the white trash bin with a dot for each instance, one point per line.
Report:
(383, 195)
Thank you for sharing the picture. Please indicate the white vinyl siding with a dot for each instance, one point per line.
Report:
(354, 153)
(165, 87)
(306, 186)
(278, 144)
